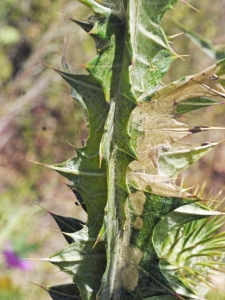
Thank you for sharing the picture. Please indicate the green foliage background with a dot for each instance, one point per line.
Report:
(40, 122)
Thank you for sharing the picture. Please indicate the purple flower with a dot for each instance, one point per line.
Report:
(14, 261)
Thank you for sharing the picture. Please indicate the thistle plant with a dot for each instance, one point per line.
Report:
(144, 235)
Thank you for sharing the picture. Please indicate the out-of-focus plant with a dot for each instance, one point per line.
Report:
(124, 176)
(13, 260)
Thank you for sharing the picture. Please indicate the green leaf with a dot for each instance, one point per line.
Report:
(177, 218)
(194, 249)
(161, 297)
(68, 225)
(202, 43)
(170, 164)
(150, 52)
(151, 137)
(100, 9)
(193, 104)
(83, 263)
(64, 292)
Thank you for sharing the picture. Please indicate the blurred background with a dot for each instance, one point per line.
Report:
(40, 122)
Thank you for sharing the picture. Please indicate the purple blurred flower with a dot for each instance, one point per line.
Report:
(14, 261)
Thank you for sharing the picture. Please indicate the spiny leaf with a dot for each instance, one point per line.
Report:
(158, 136)
(151, 62)
(193, 104)
(170, 164)
(196, 250)
(100, 9)
(88, 25)
(68, 225)
(76, 260)
(202, 43)
(64, 292)
(176, 218)
(161, 297)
